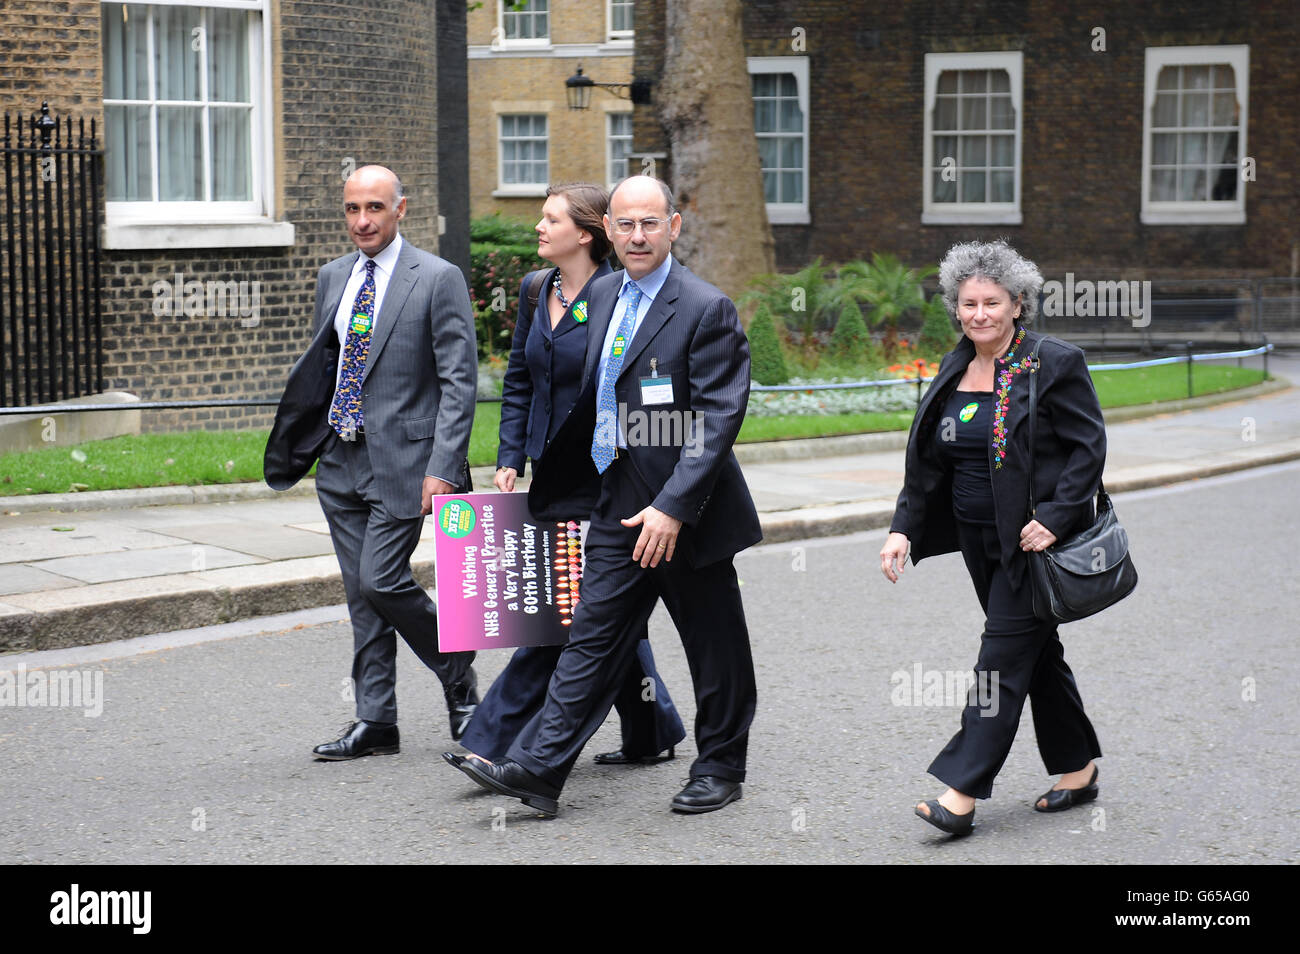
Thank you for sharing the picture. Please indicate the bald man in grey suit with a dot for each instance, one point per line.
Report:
(385, 397)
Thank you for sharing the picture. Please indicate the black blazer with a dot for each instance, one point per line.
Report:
(545, 371)
(1071, 452)
(693, 335)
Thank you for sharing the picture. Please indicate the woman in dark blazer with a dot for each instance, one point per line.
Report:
(541, 388)
(966, 488)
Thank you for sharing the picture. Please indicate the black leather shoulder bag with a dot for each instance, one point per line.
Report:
(1091, 570)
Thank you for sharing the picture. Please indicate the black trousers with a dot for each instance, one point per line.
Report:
(374, 552)
(617, 599)
(1019, 657)
(648, 718)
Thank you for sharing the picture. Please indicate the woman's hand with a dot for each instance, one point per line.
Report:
(505, 479)
(893, 557)
(1035, 536)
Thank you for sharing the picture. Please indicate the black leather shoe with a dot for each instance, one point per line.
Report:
(706, 793)
(462, 700)
(511, 778)
(360, 738)
(625, 758)
(945, 820)
(452, 759)
(1059, 799)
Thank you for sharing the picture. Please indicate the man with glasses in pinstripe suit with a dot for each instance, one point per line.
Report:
(670, 512)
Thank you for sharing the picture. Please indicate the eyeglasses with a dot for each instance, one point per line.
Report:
(648, 226)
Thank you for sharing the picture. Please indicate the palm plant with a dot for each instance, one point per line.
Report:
(806, 301)
(889, 287)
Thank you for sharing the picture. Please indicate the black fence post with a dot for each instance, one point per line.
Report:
(50, 302)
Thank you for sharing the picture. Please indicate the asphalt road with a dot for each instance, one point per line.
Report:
(202, 752)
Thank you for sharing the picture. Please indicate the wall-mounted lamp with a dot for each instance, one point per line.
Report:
(577, 89)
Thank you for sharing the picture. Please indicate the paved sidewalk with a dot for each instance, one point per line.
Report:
(176, 558)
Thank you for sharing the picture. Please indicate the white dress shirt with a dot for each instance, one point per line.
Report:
(385, 263)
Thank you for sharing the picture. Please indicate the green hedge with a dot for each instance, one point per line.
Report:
(498, 230)
(496, 272)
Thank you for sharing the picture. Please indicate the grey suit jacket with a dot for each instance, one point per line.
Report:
(418, 389)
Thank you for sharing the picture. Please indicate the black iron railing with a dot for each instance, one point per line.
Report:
(50, 309)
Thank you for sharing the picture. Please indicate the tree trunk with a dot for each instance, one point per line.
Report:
(708, 114)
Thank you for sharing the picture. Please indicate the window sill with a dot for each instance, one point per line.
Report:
(511, 46)
(1195, 217)
(970, 218)
(777, 215)
(520, 192)
(254, 233)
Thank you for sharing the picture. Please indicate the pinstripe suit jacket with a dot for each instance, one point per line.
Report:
(682, 448)
(418, 388)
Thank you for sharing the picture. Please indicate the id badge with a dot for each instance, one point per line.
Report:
(656, 391)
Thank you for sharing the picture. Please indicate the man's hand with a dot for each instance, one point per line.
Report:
(433, 485)
(505, 479)
(658, 536)
(893, 556)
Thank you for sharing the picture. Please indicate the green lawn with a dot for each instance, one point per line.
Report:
(1168, 382)
(787, 426)
(138, 460)
(222, 457)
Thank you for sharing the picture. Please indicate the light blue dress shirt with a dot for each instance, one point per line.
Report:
(650, 287)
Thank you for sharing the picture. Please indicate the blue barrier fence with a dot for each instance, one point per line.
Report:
(1189, 359)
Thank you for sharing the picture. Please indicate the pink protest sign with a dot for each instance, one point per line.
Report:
(503, 578)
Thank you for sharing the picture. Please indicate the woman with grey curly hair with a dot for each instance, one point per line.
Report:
(966, 488)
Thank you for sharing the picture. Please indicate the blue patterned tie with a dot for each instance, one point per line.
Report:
(345, 412)
(606, 436)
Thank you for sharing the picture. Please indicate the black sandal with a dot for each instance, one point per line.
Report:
(1059, 799)
(944, 820)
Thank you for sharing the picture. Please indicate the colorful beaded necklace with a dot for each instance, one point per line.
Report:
(1011, 367)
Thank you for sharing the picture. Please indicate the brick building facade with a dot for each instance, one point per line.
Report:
(317, 89)
(1072, 99)
(522, 133)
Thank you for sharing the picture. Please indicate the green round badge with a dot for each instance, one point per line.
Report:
(456, 519)
(968, 411)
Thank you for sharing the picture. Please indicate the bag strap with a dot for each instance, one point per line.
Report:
(534, 291)
(1034, 364)
(1103, 498)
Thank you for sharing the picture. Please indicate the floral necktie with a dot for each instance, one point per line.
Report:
(345, 413)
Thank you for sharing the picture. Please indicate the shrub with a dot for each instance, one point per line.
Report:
(937, 333)
(851, 342)
(767, 361)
